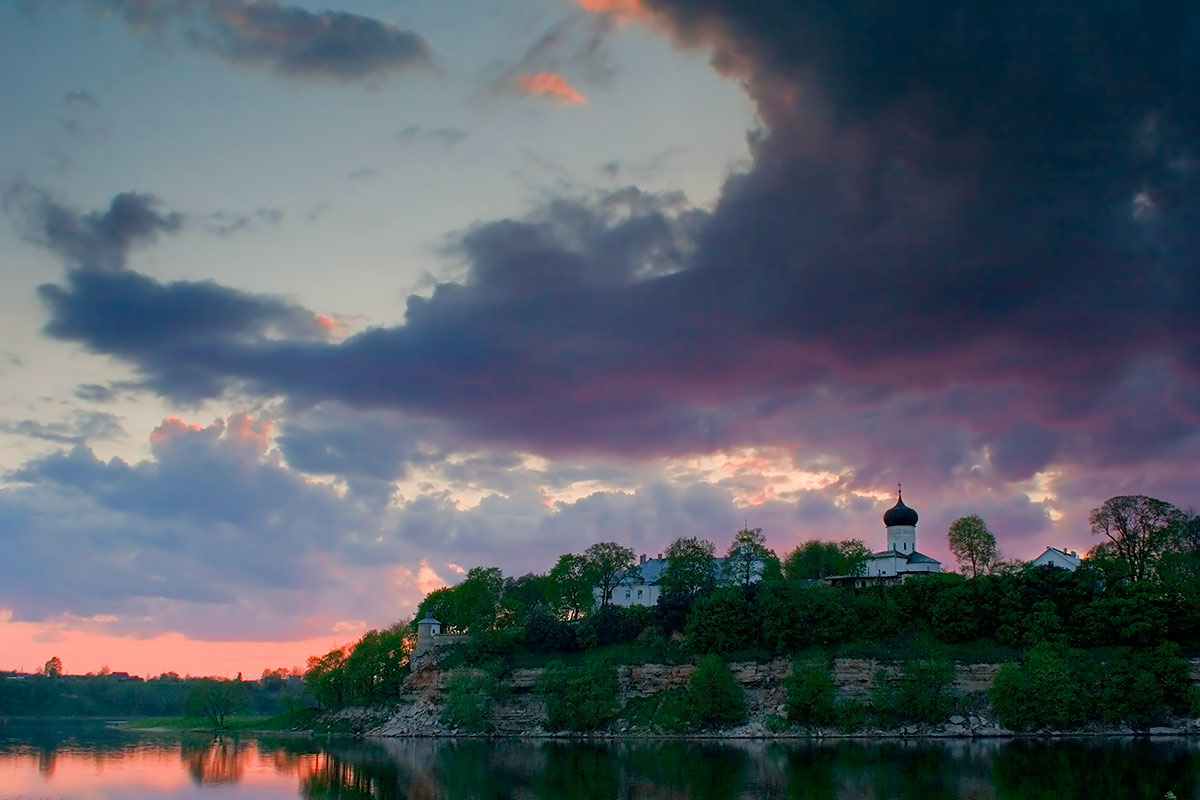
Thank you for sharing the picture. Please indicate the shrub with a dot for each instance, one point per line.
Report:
(579, 698)
(850, 715)
(669, 711)
(1044, 691)
(810, 695)
(926, 690)
(492, 650)
(714, 695)
(721, 623)
(612, 625)
(546, 633)
(469, 700)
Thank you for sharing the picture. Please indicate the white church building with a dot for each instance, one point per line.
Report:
(901, 559)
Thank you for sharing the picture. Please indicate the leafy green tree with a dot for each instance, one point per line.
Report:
(745, 560)
(521, 596)
(442, 605)
(691, 567)
(810, 694)
(1140, 530)
(610, 565)
(1044, 691)
(972, 544)
(53, 668)
(817, 559)
(546, 633)
(569, 589)
(714, 695)
(376, 666)
(477, 597)
(721, 623)
(326, 679)
(579, 698)
(215, 700)
(470, 697)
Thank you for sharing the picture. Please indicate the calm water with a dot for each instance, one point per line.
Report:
(56, 762)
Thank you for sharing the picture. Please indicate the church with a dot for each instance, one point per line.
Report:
(901, 559)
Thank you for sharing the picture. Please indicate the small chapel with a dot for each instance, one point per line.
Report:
(901, 559)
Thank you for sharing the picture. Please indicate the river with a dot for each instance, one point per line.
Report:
(88, 761)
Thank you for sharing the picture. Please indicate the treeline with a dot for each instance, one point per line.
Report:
(50, 694)
(1137, 592)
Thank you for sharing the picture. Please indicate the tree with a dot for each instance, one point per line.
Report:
(520, 597)
(714, 695)
(326, 678)
(972, 544)
(376, 666)
(477, 598)
(215, 699)
(610, 565)
(691, 567)
(569, 588)
(817, 559)
(746, 556)
(1140, 528)
(53, 668)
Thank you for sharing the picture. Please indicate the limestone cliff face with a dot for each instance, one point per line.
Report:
(523, 711)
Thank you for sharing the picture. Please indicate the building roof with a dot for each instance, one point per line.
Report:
(912, 558)
(900, 514)
(429, 619)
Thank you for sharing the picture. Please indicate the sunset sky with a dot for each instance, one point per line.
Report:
(303, 312)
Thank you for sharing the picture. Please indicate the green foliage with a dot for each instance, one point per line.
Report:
(810, 694)
(691, 567)
(579, 698)
(923, 693)
(376, 666)
(1140, 529)
(669, 711)
(569, 587)
(521, 597)
(610, 565)
(215, 700)
(470, 697)
(326, 679)
(546, 633)
(721, 623)
(715, 697)
(612, 625)
(972, 544)
(818, 559)
(850, 715)
(1046, 691)
(746, 557)
(493, 650)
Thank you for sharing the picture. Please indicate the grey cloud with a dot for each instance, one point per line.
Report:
(100, 240)
(82, 426)
(288, 40)
(448, 137)
(224, 223)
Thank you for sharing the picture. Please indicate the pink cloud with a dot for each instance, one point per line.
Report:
(549, 84)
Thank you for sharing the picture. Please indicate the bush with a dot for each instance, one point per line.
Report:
(492, 650)
(850, 715)
(810, 694)
(1042, 692)
(721, 623)
(715, 697)
(579, 698)
(926, 690)
(612, 625)
(668, 711)
(546, 633)
(469, 700)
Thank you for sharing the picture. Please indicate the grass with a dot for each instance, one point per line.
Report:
(301, 720)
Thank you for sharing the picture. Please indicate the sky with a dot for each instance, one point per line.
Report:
(306, 309)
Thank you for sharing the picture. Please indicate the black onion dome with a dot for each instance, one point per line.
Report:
(900, 514)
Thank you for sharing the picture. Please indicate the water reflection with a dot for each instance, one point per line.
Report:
(107, 764)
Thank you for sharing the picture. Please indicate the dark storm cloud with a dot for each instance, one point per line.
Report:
(99, 240)
(965, 241)
(289, 40)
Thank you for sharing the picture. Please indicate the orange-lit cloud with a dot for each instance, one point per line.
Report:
(331, 327)
(622, 9)
(549, 84)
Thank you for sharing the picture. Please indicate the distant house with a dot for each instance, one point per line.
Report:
(639, 589)
(1054, 557)
(901, 560)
